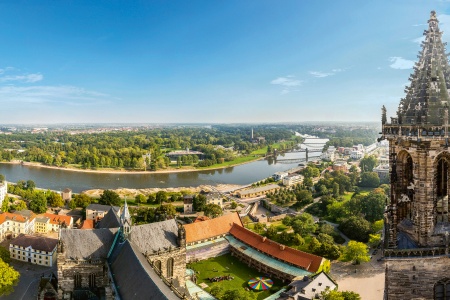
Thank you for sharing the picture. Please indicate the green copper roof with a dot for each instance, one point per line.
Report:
(428, 92)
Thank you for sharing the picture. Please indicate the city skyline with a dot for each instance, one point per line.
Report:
(208, 62)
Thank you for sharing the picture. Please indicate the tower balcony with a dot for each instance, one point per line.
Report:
(415, 132)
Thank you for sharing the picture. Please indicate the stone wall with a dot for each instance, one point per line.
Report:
(414, 278)
(179, 264)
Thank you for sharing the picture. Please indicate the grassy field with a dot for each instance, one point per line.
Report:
(228, 265)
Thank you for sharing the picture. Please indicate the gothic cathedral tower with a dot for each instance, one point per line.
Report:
(417, 222)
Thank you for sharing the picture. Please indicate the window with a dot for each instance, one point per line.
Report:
(170, 267)
(91, 280)
(442, 289)
(158, 265)
(77, 280)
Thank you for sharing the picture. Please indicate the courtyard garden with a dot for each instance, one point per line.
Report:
(228, 266)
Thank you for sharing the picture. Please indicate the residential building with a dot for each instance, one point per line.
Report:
(279, 175)
(3, 191)
(214, 198)
(340, 166)
(96, 211)
(51, 222)
(292, 179)
(34, 249)
(328, 155)
(356, 154)
(14, 224)
(309, 288)
(382, 171)
(259, 191)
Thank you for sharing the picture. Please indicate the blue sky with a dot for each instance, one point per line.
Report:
(208, 61)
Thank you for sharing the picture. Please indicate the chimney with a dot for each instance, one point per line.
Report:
(264, 239)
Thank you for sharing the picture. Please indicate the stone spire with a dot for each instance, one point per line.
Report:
(428, 93)
(125, 220)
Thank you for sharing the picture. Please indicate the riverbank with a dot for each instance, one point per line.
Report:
(131, 193)
(122, 171)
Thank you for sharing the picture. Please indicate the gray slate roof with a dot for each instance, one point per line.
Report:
(133, 276)
(100, 207)
(82, 244)
(110, 220)
(154, 236)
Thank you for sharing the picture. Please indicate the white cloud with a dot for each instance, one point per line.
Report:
(69, 95)
(320, 74)
(400, 63)
(287, 81)
(29, 78)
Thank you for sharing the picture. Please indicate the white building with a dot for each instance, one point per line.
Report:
(382, 171)
(214, 198)
(329, 154)
(279, 175)
(96, 211)
(33, 249)
(355, 154)
(13, 224)
(293, 179)
(3, 191)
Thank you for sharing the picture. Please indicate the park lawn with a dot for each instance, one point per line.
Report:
(278, 225)
(228, 265)
(236, 161)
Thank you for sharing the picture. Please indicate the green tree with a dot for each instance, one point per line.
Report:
(2, 177)
(151, 198)
(356, 228)
(55, 199)
(374, 239)
(31, 185)
(356, 252)
(110, 198)
(39, 204)
(140, 198)
(82, 200)
(8, 278)
(72, 204)
(161, 197)
(216, 291)
(167, 210)
(4, 254)
(271, 232)
(369, 179)
(233, 205)
(213, 210)
(21, 205)
(259, 227)
(5, 204)
(373, 206)
(314, 245)
(367, 163)
(304, 224)
(199, 202)
(239, 294)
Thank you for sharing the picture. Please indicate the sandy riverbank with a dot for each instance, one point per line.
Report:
(122, 171)
(131, 193)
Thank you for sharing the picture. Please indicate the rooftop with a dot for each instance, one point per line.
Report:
(259, 189)
(298, 258)
(211, 228)
(36, 242)
(155, 236)
(101, 207)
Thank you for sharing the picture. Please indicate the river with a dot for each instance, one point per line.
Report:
(59, 179)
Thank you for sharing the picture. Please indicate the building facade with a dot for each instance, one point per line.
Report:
(97, 211)
(14, 224)
(34, 249)
(257, 192)
(417, 223)
(293, 179)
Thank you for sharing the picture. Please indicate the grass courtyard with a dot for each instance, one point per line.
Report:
(228, 265)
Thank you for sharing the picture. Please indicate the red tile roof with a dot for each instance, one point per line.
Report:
(15, 217)
(87, 224)
(210, 228)
(201, 219)
(298, 258)
(58, 219)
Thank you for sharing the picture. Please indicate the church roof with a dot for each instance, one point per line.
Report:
(83, 244)
(155, 236)
(110, 220)
(211, 228)
(428, 93)
(133, 276)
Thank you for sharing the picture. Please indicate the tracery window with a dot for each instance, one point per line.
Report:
(442, 290)
(158, 265)
(442, 191)
(91, 280)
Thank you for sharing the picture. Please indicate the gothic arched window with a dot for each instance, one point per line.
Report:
(442, 290)
(158, 265)
(170, 267)
(441, 184)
